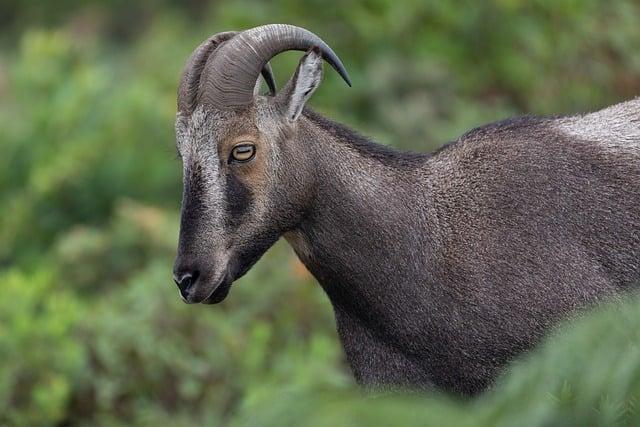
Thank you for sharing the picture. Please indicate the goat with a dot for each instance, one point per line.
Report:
(441, 267)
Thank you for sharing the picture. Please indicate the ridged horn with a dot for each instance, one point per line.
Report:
(192, 73)
(229, 77)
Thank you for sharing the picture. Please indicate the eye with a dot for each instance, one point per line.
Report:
(243, 152)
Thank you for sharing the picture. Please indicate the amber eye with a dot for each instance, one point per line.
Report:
(243, 152)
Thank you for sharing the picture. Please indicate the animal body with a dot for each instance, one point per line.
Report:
(440, 267)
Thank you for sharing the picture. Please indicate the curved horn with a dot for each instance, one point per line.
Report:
(230, 76)
(192, 73)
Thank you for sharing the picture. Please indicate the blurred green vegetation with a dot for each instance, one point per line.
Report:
(91, 329)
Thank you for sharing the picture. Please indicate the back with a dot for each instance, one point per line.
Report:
(572, 183)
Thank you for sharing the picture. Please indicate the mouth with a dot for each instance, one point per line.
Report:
(219, 293)
(205, 291)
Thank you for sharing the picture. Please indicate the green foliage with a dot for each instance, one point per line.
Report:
(91, 329)
(587, 374)
(40, 359)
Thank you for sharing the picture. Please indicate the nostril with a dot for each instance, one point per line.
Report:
(186, 280)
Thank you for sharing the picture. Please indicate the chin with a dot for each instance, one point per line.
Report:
(237, 268)
(219, 293)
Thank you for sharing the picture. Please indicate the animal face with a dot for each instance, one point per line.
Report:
(245, 182)
(229, 198)
(247, 174)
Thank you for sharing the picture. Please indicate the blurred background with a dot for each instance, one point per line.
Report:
(92, 331)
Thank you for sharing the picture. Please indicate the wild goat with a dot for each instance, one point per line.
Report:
(440, 267)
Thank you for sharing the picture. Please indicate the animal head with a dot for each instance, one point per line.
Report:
(246, 172)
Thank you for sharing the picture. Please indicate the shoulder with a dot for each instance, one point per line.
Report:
(506, 140)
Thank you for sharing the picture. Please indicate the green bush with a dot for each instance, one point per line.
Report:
(586, 374)
(40, 360)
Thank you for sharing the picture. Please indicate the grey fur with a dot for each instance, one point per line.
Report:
(441, 268)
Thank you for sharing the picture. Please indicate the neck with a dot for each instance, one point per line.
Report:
(363, 237)
(367, 239)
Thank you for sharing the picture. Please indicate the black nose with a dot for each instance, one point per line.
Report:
(185, 281)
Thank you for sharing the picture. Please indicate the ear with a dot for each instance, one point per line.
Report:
(298, 90)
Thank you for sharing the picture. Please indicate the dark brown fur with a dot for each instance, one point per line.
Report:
(441, 267)
(458, 262)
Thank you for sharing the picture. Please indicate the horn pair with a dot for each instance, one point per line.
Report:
(222, 71)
